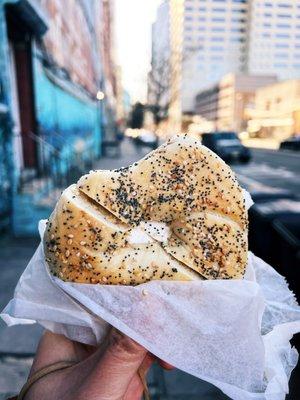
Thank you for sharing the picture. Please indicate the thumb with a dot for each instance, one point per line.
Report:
(117, 365)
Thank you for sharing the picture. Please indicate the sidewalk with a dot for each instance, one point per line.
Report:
(18, 344)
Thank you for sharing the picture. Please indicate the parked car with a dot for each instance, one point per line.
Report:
(147, 138)
(292, 143)
(227, 145)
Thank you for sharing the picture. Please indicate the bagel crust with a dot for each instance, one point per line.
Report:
(183, 185)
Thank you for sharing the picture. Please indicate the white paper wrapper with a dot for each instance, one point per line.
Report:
(232, 333)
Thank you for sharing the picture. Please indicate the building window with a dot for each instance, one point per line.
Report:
(267, 15)
(283, 26)
(284, 16)
(283, 35)
(267, 25)
(189, 9)
(237, 39)
(281, 45)
(201, 28)
(238, 20)
(214, 19)
(202, 9)
(216, 48)
(282, 5)
(217, 39)
(188, 18)
(218, 9)
(239, 10)
(281, 55)
(280, 65)
(239, 1)
(266, 35)
(242, 30)
(268, 5)
(218, 29)
(202, 19)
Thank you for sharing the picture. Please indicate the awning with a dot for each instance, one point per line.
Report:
(32, 13)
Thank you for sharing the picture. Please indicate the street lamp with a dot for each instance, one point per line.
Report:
(100, 95)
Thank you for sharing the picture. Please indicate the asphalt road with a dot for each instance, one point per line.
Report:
(271, 170)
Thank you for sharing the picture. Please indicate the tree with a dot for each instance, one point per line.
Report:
(160, 95)
(158, 87)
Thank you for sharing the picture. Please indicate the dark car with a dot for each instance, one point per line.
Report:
(227, 145)
(292, 143)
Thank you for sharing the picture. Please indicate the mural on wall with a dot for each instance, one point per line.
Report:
(68, 120)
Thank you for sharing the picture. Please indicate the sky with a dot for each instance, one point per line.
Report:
(133, 19)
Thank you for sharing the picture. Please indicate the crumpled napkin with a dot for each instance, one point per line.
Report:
(232, 333)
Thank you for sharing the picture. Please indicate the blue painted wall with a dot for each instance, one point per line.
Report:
(65, 120)
(8, 175)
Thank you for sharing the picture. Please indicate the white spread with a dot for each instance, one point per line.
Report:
(149, 231)
(248, 199)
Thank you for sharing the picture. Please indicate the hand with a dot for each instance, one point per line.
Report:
(108, 372)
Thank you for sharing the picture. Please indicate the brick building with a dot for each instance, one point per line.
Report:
(55, 56)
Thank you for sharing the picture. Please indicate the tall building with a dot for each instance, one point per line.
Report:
(230, 36)
(274, 38)
(214, 43)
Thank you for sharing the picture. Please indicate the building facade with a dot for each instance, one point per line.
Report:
(274, 38)
(252, 37)
(207, 103)
(51, 69)
(214, 43)
(276, 111)
(227, 104)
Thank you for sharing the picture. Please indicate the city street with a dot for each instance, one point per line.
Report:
(271, 169)
(18, 344)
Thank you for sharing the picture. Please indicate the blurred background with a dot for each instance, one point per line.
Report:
(99, 83)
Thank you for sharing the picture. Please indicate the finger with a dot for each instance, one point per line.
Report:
(138, 384)
(51, 349)
(116, 366)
